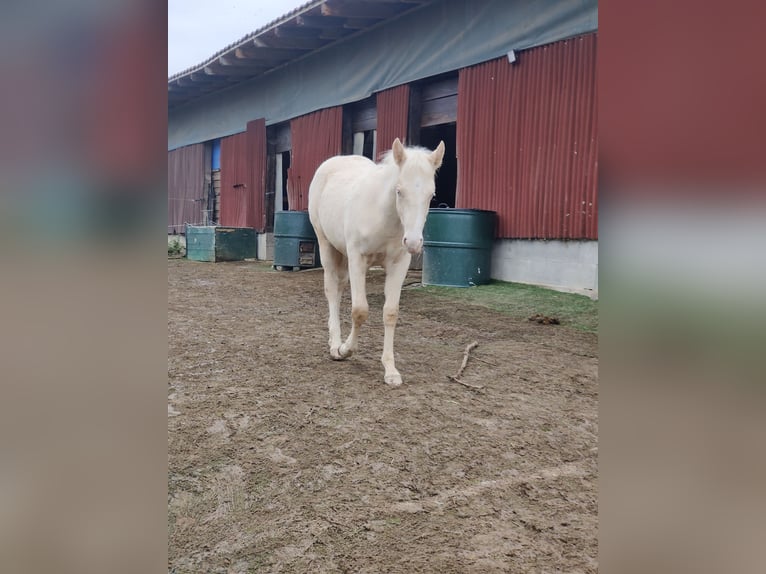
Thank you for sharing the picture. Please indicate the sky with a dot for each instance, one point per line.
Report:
(197, 29)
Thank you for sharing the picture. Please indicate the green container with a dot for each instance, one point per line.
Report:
(211, 243)
(458, 247)
(295, 243)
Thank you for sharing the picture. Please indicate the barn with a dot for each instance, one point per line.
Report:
(510, 87)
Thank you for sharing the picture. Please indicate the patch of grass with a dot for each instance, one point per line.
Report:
(524, 301)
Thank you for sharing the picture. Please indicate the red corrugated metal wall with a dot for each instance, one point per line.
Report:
(235, 181)
(256, 151)
(528, 142)
(187, 196)
(315, 137)
(243, 168)
(393, 108)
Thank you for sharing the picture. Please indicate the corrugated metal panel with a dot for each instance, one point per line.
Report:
(528, 141)
(186, 187)
(243, 174)
(393, 110)
(235, 180)
(256, 151)
(315, 137)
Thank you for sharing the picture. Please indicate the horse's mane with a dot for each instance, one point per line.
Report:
(388, 157)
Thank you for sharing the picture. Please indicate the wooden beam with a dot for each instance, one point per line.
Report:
(268, 54)
(186, 83)
(440, 88)
(195, 92)
(234, 62)
(322, 22)
(294, 31)
(231, 71)
(439, 111)
(196, 81)
(361, 10)
(364, 114)
(276, 53)
(298, 42)
(201, 78)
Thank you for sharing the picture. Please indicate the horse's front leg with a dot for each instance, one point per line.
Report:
(357, 272)
(395, 274)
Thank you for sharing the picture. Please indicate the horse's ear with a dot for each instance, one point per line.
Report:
(438, 155)
(398, 150)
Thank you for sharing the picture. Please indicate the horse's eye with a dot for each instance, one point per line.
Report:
(398, 191)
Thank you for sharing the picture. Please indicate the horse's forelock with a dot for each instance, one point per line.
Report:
(418, 154)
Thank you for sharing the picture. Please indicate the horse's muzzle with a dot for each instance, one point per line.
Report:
(413, 244)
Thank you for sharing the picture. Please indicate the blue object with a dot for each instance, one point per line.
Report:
(216, 154)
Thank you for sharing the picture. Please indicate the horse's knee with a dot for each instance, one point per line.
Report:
(390, 315)
(359, 314)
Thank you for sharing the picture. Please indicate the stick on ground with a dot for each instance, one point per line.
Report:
(463, 365)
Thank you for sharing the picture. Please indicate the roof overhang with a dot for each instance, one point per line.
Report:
(308, 28)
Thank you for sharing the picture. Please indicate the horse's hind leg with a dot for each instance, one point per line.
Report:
(395, 274)
(357, 270)
(335, 277)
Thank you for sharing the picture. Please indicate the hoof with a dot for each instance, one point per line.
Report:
(339, 353)
(393, 380)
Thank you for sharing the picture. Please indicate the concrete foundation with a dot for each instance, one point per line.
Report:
(569, 266)
(265, 246)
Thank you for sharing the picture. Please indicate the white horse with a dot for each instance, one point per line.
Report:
(367, 214)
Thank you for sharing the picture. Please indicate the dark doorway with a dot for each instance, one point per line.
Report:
(285, 166)
(446, 178)
(368, 149)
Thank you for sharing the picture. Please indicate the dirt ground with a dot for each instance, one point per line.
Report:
(282, 460)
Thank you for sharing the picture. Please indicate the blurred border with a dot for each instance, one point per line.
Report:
(683, 236)
(83, 353)
(82, 192)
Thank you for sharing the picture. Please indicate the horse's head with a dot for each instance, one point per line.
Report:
(415, 188)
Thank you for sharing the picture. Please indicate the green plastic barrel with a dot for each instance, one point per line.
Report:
(458, 247)
(295, 243)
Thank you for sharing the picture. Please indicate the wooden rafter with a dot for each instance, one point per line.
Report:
(268, 54)
(360, 9)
